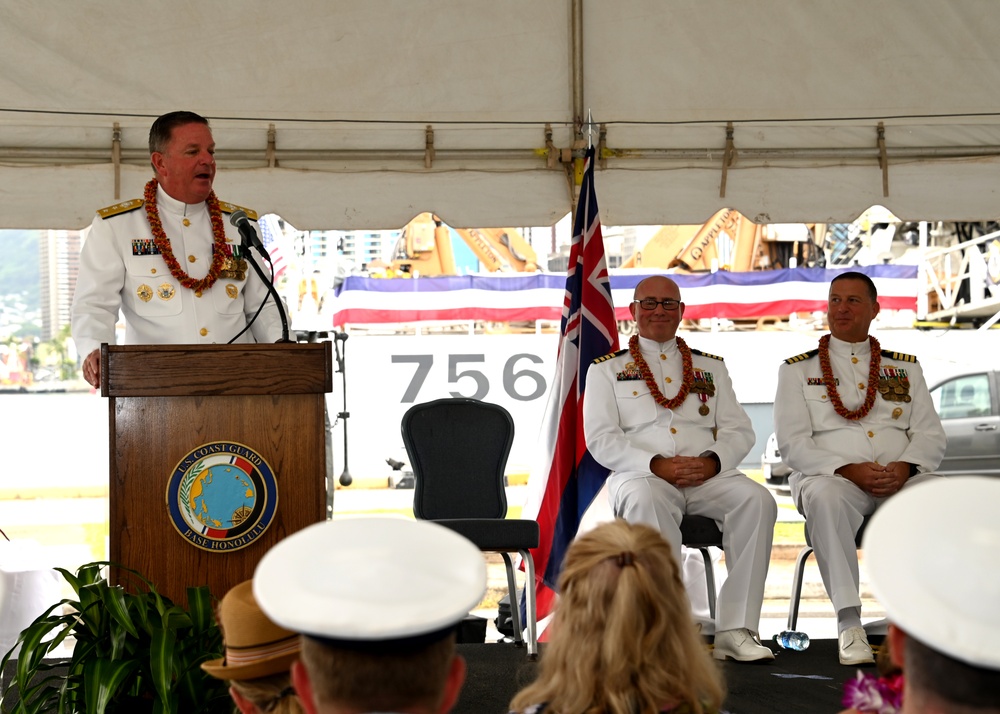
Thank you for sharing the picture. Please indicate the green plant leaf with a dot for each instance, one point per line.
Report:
(161, 661)
(135, 651)
(200, 607)
(117, 606)
(91, 612)
(89, 574)
(175, 618)
(70, 578)
(40, 697)
(101, 680)
(34, 648)
(29, 633)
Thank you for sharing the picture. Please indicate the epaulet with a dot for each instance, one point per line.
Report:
(801, 357)
(605, 358)
(118, 208)
(706, 354)
(227, 207)
(899, 356)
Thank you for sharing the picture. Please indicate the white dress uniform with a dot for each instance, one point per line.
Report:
(120, 268)
(625, 428)
(815, 441)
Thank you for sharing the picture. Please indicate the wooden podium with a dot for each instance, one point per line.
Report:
(177, 412)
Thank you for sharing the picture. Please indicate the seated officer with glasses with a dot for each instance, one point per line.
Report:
(664, 418)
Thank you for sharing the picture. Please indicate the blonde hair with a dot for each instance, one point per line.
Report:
(272, 695)
(623, 640)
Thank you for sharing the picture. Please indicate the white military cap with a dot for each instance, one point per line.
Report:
(931, 552)
(373, 580)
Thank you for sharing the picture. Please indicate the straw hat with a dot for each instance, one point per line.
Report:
(931, 553)
(255, 646)
(376, 583)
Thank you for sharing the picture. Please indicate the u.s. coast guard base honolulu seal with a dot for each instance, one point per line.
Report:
(222, 496)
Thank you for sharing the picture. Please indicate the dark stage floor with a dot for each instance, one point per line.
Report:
(810, 681)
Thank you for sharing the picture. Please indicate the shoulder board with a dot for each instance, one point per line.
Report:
(227, 207)
(123, 207)
(706, 354)
(802, 357)
(605, 358)
(899, 356)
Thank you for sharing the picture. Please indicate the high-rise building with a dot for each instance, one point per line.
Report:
(336, 252)
(59, 264)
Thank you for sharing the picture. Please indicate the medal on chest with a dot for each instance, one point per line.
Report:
(704, 386)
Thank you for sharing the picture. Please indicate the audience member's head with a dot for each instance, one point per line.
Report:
(258, 656)
(622, 640)
(378, 601)
(931, 552)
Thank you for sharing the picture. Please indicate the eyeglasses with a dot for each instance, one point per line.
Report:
(651, 303)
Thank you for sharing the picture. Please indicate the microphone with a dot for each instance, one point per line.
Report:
(240, 219)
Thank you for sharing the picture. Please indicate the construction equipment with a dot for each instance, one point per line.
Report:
(426, 249)
(727, 241)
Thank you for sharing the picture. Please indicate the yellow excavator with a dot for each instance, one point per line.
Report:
(425, 249)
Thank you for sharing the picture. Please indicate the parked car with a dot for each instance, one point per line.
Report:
(775, 471)
(969, 407)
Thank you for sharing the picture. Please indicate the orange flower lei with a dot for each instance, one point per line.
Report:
(687, 372)
(831, 383)
(219, 248)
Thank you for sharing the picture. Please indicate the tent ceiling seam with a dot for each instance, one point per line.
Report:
(139, 156)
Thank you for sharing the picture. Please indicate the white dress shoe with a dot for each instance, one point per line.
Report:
(854, 647)
(741, 645)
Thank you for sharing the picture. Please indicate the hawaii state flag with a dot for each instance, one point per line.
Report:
(568, 478)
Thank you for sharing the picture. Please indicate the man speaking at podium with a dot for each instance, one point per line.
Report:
(170, 261)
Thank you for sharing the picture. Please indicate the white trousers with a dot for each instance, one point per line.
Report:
(744, 510)
(834, 509)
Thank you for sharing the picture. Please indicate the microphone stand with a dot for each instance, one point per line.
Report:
(340, 348)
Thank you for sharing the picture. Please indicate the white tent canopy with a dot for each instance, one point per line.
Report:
(338, 114)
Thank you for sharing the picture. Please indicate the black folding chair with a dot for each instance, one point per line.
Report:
(458, 450)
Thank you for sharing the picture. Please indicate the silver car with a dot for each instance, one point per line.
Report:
(969, 407)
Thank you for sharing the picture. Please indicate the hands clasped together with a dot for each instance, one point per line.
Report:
(684, 471)
(874, 478)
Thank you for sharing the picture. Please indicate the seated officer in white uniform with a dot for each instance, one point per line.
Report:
(138, 255)
(665, 419)
(856, 424)
(378, 601)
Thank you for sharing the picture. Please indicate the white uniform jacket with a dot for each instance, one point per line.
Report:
(120, 268)
(625, 427)
(902, 425)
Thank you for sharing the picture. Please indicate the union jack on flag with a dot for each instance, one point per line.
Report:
(272, 237)
(569, 478)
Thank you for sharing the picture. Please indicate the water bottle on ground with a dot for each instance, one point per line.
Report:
(791, 640)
